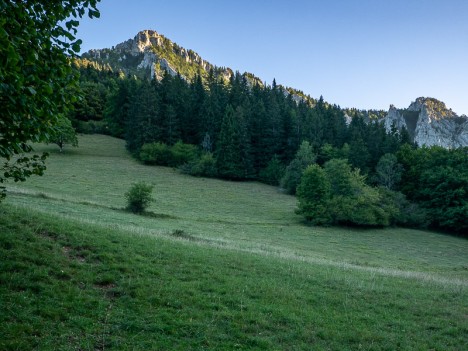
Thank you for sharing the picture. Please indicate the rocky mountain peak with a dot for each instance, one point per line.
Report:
(142, 42)
(155, 53)
(151, 54)
(430, 122)
(435, 109)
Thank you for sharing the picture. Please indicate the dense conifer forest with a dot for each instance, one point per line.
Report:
(239, 130)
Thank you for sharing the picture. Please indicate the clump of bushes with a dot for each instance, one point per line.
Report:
(205, 166)
(139, 197)
(155, 154)
(161, 154)
(338, 194)
(304, 157)
(186, 157)
(92, 127)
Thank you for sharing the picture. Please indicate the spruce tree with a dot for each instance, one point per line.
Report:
(195, 117)
(359, 155)
(143, 122)
(232, 150)
(116, 111)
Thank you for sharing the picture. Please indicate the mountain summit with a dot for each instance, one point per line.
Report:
(152, 54)
(430, 122)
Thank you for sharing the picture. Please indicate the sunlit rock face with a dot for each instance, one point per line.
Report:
(430, 123)
(150, 50)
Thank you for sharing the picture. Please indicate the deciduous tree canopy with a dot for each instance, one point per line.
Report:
(37, 82)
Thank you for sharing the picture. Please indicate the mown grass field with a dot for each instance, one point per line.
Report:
(215, 266)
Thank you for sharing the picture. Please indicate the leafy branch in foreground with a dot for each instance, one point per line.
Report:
(37, 39)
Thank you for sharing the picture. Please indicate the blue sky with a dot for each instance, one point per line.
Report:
(356, 53)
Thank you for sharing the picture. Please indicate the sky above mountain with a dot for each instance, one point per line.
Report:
(356, 53)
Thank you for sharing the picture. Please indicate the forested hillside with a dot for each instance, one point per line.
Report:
(239, 131)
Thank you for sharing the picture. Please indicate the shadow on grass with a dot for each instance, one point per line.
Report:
(151, 214)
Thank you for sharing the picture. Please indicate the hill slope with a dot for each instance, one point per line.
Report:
(88, 184)
(215, 265)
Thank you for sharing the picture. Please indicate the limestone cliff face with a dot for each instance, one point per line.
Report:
(429, 122)
(394, 119)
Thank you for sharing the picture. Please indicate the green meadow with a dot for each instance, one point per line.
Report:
(212, 265)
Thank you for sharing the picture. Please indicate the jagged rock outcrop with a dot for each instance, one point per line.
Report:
(142, 42)
(429, 123)
(153, 52)
(395, 119)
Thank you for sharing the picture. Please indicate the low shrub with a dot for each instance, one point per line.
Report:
(161, 154)
(139, 197)
(205, 166)
(155, 154)
(182, 153)
(405, 213)
(92, 127)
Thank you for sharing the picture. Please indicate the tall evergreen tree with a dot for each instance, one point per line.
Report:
(257, 119)
(232, 151)
(143, 122)
(116, 111)
(195, 115)
(359, 155)
(172, 132)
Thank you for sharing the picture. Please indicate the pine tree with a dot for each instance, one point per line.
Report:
(273, 127)
(359, 156)
(143, 123)
(232, 150)
(195, 116)
(256, 124)
(116, 111)
(172, 126)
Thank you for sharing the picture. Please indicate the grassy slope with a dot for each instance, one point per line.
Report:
(77, 273)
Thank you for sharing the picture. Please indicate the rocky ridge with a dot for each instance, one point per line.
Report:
(151, 54)
(150, 51)
(429, 122)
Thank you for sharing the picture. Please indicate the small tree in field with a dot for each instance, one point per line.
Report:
(63, 134)
(139, 197)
